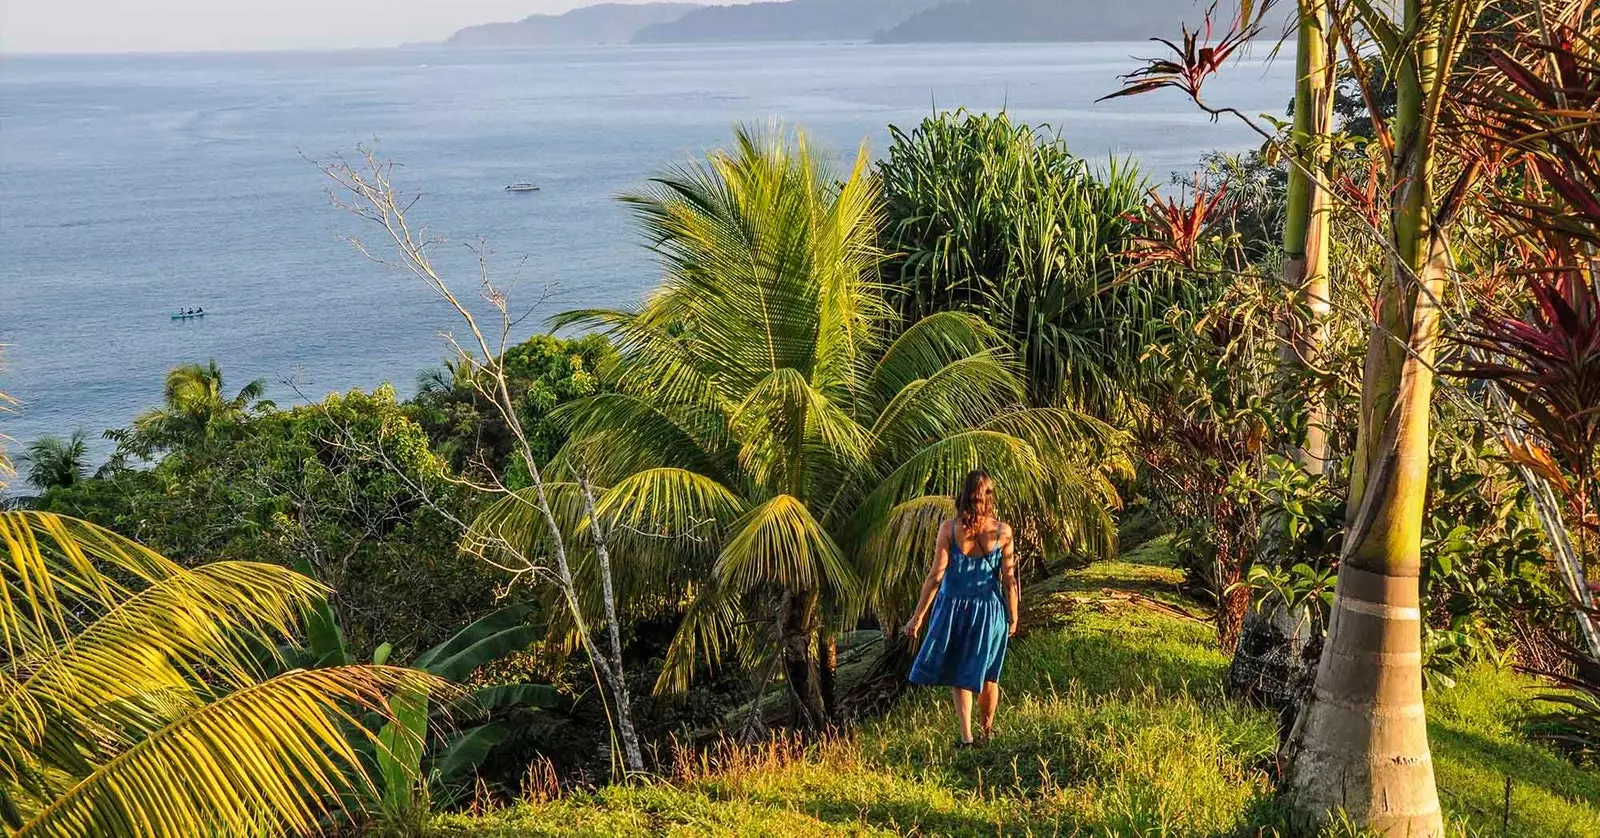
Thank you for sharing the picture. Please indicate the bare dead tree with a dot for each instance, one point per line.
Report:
(366, 189)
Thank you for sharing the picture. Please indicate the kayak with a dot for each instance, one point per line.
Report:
(188, 316)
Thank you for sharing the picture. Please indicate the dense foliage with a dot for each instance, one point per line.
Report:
(999, 219)
(765, 445)
(777, 450)
(543, 372)
(138, 701)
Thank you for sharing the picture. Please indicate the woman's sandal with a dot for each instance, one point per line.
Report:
(964, 744)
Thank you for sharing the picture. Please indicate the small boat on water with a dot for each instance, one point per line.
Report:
(523, 187)
(187, 315)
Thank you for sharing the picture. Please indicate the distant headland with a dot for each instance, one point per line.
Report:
(882, 21)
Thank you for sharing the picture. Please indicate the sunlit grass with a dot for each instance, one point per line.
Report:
(1114, 723)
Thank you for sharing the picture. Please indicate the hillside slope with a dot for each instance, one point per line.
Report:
(605, 23)
(1045, 20)
(1113, 722)
(795, 20)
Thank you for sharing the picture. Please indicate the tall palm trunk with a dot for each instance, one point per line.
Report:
(828, 672)
(798, 624)
(1361, 742)
(1305, 227)
(1267, 664)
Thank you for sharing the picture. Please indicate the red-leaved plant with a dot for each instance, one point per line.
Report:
(1173, 231)
(1198, 58)
(1548, 363)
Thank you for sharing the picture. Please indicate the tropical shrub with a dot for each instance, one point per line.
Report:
(1209, 416)
(1486, 578)
(138, 702)
(348, 485)
(52, 461)
(428, 753)
(998, 219)
(544, 372)
(777, 451)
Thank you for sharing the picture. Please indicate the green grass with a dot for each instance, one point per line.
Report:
(1113, 724)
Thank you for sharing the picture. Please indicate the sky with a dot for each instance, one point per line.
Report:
(28, 26)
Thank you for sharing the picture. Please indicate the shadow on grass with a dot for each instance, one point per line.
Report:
(1474, 769)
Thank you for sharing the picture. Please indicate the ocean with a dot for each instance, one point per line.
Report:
(131, 186)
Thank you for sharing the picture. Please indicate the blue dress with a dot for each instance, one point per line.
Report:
(964, 643)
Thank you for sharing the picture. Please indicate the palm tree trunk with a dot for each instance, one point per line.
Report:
(1262, 670)
(799, 665)
(1305, 228)
(1361, 742)
(828, 671)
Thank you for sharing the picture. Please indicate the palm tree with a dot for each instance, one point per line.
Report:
(777, 452)
(136, 700)
(1307, 215)
(1361, 742)
(194, 410)
(53, 462)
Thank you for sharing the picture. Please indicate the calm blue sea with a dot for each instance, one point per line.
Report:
(130, 186)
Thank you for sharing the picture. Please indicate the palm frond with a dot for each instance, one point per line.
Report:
(897, 553)
(668, 503)
(780, 543)
(924, 348)
(711, 625)
(271, 756)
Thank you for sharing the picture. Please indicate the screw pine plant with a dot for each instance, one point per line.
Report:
(999, 219)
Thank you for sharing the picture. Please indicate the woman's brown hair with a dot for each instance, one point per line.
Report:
(967, 500)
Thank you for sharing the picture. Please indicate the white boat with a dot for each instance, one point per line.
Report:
(522, 187)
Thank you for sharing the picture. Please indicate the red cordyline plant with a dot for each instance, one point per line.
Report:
(1537, 102)
(1548, 363)
(1198, 58)
(1173, 231)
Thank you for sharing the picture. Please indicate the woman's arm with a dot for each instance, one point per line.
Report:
(1008, 578)
(930, 583)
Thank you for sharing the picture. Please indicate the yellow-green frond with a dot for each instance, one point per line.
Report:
(668, 504)
(515, 526)
(780, 543)
(897, 554)
(925, 347)
(711, 625)
(274, 756)
(130, 667)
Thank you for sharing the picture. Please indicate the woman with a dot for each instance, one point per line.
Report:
(974, 614)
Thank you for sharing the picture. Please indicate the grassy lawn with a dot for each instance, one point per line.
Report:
(1113, 724)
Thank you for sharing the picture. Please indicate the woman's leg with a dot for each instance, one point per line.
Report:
(988, 702)
(963, 699)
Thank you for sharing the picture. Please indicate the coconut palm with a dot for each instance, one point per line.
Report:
(134, 698)
(777, 452)
(51, 461)
(194, 410)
